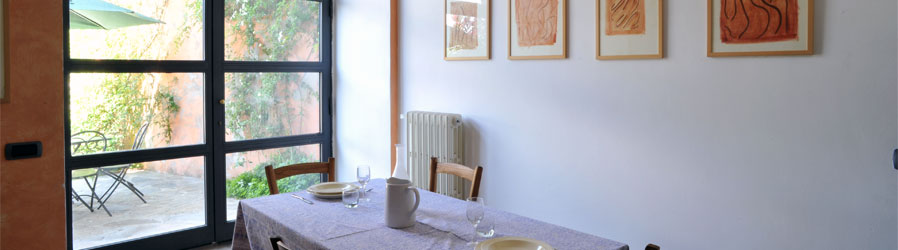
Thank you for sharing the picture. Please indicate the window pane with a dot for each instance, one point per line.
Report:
(246, 172)
(155, 30)
(109, 112)
(264, 105)
(272, 30)
(174, 191)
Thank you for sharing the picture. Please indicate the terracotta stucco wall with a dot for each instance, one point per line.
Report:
(190, 119)
(32, 192)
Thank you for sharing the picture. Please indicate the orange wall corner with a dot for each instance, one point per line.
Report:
(32, 191)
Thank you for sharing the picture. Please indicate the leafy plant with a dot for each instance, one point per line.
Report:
(253, 183)
(122, 102)
(271, 28)
(126, 107)
(259, 105)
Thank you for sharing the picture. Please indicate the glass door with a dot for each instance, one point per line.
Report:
(173, 109)
(275, 66)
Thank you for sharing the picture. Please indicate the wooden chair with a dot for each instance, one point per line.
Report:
(459, 170)
(278, 244)
(275, 174)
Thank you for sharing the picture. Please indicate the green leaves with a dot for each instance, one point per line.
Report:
(253, 183)
(260, 105)
(271, 28)
(125, 107)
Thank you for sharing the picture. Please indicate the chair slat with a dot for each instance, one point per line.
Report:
(275, 174)
(459, 170)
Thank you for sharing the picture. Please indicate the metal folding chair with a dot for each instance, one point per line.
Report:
(83, 141)
(89, 141)
(118, 172)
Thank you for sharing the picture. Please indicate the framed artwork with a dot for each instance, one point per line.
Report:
(629, 29)
(537, 29)
(760, 28)
(466, 30)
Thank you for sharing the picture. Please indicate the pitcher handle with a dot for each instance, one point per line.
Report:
(417, 198)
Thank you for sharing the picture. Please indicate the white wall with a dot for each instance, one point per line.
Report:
(688, 152)
(362, 87)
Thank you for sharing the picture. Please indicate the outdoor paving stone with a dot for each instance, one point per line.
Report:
(174, 203)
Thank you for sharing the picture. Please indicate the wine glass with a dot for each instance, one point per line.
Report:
(363, 173)
(486, 228)
(474, 212)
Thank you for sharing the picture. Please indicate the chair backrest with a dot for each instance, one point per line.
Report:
(278, 244)
(275, 174)
(459, 170)
(141, 133)
(89, 140)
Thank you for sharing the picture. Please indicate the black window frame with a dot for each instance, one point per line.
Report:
(213, 66)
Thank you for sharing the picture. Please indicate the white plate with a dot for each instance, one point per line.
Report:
(330, 189)
(326, 196)
(512, 243)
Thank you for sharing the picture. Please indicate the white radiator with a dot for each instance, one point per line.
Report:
(438, 135)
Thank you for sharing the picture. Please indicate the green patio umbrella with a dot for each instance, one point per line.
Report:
(97, 14)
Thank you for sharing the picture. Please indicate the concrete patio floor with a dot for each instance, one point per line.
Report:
(174, 203)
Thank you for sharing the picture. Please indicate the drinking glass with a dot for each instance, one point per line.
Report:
(351, 197)
(363, 173)
(474, 212)
(486, 228)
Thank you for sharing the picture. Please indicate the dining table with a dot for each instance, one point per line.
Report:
(441, 223)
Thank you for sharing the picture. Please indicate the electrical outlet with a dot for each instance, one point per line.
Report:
(23, 150)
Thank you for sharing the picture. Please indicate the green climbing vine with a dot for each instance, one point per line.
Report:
(253, 183)
(122, 102)
(126, 107)
(260, 105)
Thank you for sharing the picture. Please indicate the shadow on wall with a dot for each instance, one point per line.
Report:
(819, 21)
(472, 144)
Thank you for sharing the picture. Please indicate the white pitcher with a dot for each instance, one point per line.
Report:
(400, 209)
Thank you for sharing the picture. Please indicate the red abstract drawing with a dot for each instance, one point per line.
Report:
(537, 22)
(624, 17)
(758, 21)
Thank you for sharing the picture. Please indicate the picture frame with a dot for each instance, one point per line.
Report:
(788, 30)
(539, 32)
(639, 36)
(467, 30)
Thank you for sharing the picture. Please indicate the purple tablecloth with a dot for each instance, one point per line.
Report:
(441, 225)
